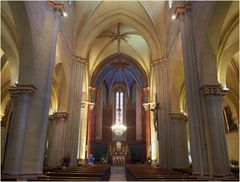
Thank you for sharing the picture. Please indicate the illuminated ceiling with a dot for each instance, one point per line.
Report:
(120, 38)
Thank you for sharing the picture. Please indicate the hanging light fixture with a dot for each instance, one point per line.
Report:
(118, 128)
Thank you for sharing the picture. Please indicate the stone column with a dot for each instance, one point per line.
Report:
(22, 97)
(89, 128)
(148, 138)
(75, 99)
(178, 125)
(213, 98)
(146, 106)
(57, 138)
(199, 134)
(160, 72)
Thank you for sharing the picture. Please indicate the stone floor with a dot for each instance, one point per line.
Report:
(117, 173)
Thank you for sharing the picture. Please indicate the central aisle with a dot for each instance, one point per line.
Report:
(117, 173)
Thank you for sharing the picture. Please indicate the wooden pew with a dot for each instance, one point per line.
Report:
(84, 173)
(149, 173)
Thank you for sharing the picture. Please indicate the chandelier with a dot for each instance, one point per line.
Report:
(119, 129)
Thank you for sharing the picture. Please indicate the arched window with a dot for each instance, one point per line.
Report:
(119, 107)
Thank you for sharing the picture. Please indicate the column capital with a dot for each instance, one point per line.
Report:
(146, 90)
(57, 6)
(84, 104)
(146, 106)
(80, 59)
(178, 115)
(58, 115)
(182, 9)
(158, 61)
(92, 89)
(22, 89)
(91, 105)
(61, 114)
(217, 90)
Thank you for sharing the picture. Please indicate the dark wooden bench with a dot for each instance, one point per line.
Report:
(150, 173)
(83, 173)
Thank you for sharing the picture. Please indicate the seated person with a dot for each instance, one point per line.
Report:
(90, 160)
(66, 160)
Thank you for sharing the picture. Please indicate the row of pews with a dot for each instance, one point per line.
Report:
(84, 173)
(143, 172)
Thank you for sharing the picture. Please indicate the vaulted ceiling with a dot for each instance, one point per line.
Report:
(134, 28)
(118, 39)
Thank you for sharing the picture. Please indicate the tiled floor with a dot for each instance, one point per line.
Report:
(117, 174)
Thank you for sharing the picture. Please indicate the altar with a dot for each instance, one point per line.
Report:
(118, 153)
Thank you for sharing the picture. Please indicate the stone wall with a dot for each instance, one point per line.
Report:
(233, 145)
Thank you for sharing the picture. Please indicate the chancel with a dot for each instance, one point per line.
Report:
(119, 90)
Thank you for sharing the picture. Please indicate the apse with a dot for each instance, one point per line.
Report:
(119, 99)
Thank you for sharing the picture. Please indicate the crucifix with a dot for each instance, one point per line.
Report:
(155, 114)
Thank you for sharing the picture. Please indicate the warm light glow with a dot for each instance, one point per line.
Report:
(64, 13)
(224, 87)
(1, 52)
(119, 129)
(170, 3)
(173, 17)
(51, 112)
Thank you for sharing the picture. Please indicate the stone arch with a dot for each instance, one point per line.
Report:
(98, 25)
(11, 56)
(212, 40)
(110, 59)
(24, 35)
(225, 60)
(58, 86)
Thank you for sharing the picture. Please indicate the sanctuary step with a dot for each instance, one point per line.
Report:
(96, 172)
(149, 173)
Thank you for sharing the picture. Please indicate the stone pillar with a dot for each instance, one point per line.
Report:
(146, 106)
(164, 141)
(89, 128)
(75, 99)
(199, 134)
(22, 97)
(213, 98)
(43, 55)
(83, 132)
(57, 138)
(178, 125)
(148, 131)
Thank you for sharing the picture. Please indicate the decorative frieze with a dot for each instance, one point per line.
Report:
(216, 90)
(22, 89)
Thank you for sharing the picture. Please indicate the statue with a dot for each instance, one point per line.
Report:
(155, 114)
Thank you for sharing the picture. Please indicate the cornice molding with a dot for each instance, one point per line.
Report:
(22, 89)
(217, 90)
